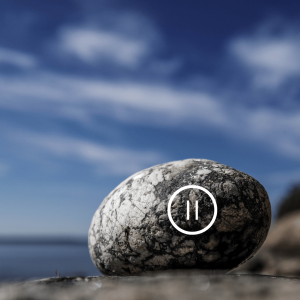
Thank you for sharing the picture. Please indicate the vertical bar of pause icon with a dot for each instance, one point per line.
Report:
(188, 210)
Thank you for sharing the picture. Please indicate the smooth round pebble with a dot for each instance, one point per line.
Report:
(131, 233)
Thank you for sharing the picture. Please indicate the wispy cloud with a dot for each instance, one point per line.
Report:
(279, 129)
(8, 56)
(127, 100)
(102, 46)
(125, 41)
(272, 59)
(153, 103)
(104, 159)
(163, 103)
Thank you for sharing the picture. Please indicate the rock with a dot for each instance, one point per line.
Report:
(280, 254)
(131, 233)
(167, 286)
(290, 203)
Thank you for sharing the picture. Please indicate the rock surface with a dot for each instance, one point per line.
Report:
(290, 203)
(280, 254)
(132, 234)
(189, 286)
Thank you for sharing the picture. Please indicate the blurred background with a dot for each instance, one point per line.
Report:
(93, 91)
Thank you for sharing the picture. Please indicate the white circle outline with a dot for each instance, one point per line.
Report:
(210, 196)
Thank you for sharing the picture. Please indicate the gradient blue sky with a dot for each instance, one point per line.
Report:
(93, 91)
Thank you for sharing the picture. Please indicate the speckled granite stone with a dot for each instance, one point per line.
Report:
(131, 233)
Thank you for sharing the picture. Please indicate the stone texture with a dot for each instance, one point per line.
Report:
(290, 203)
(131, 233)
(189, 286)
(280, 254)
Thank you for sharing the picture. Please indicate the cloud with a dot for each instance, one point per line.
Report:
(159, 103)
(19, 59)
(155, 104)
(126, 41)
(272, 59)
(277, 128)
(100, 46)
(105, 159)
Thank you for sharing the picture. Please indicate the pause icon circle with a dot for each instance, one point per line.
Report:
(210, 196)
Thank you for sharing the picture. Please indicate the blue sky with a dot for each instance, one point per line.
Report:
(93, 91)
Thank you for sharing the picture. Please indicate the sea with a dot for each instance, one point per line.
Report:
(23, 259)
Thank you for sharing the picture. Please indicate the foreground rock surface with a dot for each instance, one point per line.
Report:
(132, 234)
(165, 286)
(280, 254)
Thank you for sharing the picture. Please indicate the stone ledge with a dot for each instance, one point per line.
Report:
(175, 285)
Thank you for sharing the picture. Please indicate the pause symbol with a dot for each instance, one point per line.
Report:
(188, 210)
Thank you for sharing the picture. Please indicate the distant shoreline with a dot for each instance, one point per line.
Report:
(72, 241)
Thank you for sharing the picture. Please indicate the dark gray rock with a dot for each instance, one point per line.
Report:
(132, 234)
(280, 254)
(290, 203)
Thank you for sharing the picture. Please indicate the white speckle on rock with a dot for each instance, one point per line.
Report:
(140, 175)
(155, 177)
(203, 172)
(92, 240)
(230, 188)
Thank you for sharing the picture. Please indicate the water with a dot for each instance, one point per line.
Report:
(34, 261)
